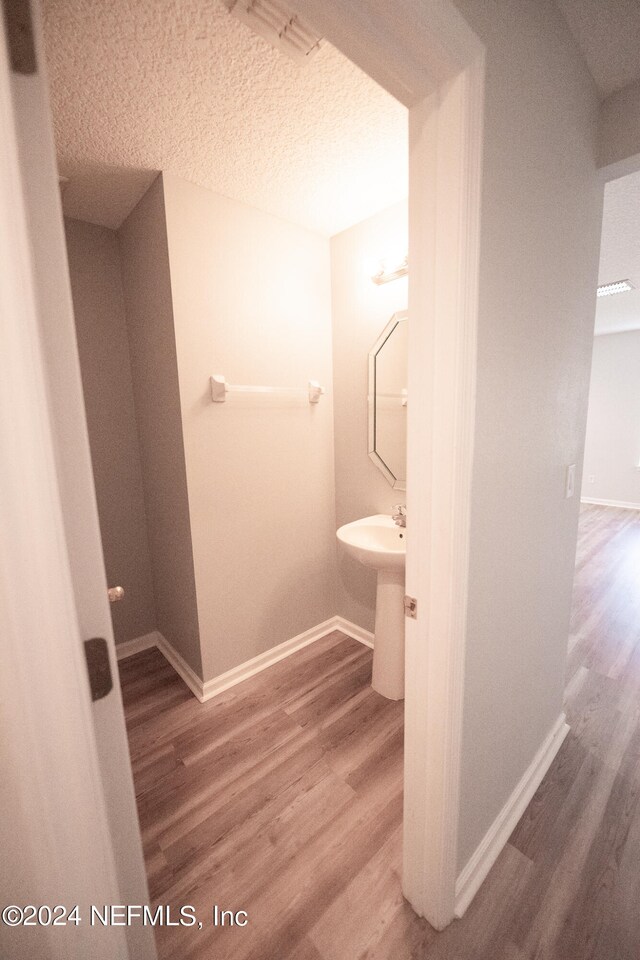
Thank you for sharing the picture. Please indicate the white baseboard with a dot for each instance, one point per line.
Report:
(469, 881)
(354, 631)
(205, 691)
(180, 666)
(269, 657)
(622, 504)
(137, 645)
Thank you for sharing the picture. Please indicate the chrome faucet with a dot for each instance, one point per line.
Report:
(399, 515)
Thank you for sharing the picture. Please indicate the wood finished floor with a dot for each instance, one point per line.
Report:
(283, 797)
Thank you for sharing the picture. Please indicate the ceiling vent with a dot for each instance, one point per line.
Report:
(280, 26)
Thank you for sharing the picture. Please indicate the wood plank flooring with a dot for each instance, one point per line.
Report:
(283, 797)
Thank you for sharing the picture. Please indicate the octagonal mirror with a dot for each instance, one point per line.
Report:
(388, 401)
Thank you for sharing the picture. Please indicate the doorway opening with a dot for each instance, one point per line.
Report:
(203, 310)
(603, 662)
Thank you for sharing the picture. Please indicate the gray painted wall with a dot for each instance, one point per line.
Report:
(147, 289)
(612, 448)
(540, 237)
(103, 347)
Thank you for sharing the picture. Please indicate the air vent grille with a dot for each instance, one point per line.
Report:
(279, 25)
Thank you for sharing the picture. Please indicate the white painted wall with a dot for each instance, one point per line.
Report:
(252, 300)
(361, 310)
(612, 447)
(541, 218)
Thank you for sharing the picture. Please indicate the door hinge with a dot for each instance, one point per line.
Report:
(20, 40)
(96, 654)
(411, 607)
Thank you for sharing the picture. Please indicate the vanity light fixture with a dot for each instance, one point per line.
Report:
(391, 270)
(620, 286)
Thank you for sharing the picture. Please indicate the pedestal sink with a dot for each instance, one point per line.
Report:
(377, 542)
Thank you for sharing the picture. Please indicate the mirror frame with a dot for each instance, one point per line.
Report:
(397, 318)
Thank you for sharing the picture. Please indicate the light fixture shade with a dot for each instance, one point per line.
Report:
(619, 286)
(391, 270)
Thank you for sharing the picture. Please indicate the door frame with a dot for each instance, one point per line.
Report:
(424, 53)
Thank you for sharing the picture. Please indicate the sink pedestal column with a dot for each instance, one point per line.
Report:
(388, 649)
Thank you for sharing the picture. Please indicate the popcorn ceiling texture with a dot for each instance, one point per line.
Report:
(180, 85)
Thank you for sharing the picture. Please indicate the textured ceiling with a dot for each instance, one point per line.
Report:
(620, 255)
(180, 85)
(608, 33)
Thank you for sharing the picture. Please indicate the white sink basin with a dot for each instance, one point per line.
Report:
(375, 541)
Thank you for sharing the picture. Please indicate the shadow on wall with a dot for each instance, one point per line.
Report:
(358, 588)
(102, 193)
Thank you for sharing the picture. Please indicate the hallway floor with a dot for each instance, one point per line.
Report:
(283, 797)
